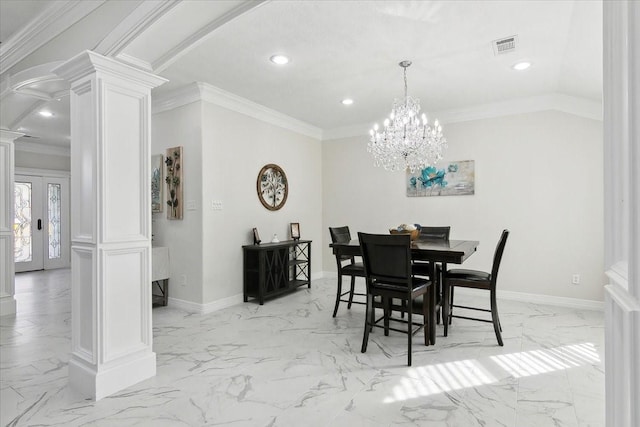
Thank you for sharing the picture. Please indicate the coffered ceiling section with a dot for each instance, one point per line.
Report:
(178, 29)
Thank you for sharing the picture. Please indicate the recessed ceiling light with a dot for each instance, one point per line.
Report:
(280, 59)
(521, 66)
(347, 101)
(45, 113)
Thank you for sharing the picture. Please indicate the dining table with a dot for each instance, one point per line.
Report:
(433, 251)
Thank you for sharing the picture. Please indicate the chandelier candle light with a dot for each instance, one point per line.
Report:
(407, 140)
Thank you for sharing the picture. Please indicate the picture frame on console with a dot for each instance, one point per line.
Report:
(256, 237)
(295, 231)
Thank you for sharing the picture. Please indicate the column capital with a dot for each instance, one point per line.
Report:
(9, 136)
(88, 62)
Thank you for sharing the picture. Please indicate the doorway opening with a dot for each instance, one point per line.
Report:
(41, 222)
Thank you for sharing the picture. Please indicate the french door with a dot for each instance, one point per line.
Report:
(41, 222)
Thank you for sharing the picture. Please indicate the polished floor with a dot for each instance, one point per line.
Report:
(289, 363)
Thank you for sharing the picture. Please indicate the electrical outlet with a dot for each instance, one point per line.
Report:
(216, 205)
(575, 279)
(183, 280)
(191, 205)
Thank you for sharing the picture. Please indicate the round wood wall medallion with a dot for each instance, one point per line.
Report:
(272, 187)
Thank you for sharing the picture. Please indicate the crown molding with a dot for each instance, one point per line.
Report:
(36, 147)
(136, 62)
(214, 95)
(568, 104)
(132, 26)
(52, 21)
(175, 98)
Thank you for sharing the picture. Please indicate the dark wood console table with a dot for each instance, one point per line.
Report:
(275, 268)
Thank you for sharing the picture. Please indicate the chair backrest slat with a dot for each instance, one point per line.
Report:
(386, 257)
(497, 256)
(340, 234)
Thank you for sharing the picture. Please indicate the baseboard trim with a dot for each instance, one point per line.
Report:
(194, 307)
(583, 304)
(210, 307)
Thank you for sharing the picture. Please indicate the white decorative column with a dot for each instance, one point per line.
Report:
(111, 224)
(7, 241)
(622, 211)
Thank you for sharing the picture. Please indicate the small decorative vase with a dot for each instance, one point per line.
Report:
(275, 239)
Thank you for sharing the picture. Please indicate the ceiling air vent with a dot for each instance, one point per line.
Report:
(504, 45)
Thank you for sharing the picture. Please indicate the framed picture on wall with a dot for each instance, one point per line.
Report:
(156, 182)
(295, 230)
(173, 163)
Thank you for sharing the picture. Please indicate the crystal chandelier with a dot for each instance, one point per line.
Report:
(407, 141)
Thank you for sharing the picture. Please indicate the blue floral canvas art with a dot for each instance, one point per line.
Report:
(446, 179)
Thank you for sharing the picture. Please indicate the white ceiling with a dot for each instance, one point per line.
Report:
(351, 49)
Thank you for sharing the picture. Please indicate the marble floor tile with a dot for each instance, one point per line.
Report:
(289, 363)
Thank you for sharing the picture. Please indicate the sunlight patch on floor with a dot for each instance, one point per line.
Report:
(444, 377)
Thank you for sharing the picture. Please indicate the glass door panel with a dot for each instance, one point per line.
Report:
(22, 222)
(28, 223)
(53, 213)
(57, 249)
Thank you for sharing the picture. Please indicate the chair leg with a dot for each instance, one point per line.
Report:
(353, 287)
(335, 309)
(367, 326)
(495, 318)
(386, 307)
(451, 289)
(409, 330)
(426, 303)
(446, 307)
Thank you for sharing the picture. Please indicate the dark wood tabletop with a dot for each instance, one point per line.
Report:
(449, 251)
(444, 251)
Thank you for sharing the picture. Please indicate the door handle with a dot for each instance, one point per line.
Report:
(39, 224)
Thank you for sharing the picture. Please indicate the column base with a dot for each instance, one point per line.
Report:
(7, 306)
(97, 382)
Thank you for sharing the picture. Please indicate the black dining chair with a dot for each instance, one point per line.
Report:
(387, 264)
(423, 268)
(347, 266)
(478, 280)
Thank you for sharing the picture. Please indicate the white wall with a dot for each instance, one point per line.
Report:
(182, 127)
(235, 148)
(223, 153)
(539, 175)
